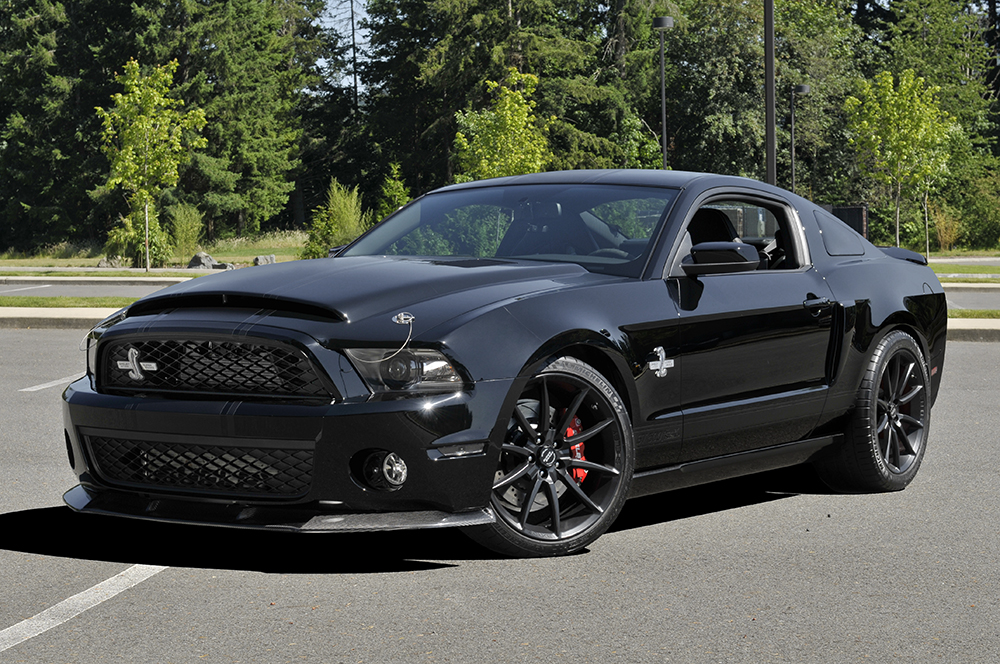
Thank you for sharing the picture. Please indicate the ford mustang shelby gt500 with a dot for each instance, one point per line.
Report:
(516, 357)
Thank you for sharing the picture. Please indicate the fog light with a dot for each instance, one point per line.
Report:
(384, 470)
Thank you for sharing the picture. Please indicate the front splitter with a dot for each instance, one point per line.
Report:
(122, 504)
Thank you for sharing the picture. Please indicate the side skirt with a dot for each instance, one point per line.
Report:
(667, 478)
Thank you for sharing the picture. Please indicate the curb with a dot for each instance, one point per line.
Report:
(96, 281)
(52, 318)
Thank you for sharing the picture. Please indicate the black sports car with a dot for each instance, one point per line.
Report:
(517, 357)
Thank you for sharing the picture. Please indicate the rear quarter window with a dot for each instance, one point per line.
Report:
(839, 239)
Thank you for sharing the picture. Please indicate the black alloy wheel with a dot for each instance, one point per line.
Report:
(887, 435)
(565, 466)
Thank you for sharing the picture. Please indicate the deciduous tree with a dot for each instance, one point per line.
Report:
(146, 137)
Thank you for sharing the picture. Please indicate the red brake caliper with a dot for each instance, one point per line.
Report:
(575, 427)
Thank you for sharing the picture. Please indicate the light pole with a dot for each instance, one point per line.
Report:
(770, 138)
(802, 90)
(660, 24)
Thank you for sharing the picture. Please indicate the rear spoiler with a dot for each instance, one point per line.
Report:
(904, 255)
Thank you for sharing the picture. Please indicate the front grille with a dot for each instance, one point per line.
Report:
(246, 471)
(257, 368)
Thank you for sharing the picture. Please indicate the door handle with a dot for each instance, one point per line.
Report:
(814, 304)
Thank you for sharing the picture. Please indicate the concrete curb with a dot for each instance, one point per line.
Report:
(96, 281)
(52, 318)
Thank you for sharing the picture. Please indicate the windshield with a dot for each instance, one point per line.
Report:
(604, 228)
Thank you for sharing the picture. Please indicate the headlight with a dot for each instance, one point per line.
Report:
(408, 370)
(89, 342)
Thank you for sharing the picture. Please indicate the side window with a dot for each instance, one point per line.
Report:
(767, 227)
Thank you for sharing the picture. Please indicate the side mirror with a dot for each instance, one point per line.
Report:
(720, 258)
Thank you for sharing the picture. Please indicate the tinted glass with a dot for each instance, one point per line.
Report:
(604, 228)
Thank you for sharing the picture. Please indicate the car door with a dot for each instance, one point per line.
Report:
(754, 343)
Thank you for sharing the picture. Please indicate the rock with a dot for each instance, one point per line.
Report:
(201, 261)
(223, 266)
(110, 261)
(264, 260)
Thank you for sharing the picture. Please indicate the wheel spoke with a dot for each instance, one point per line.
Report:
(517, 449)
(892, 376)
(571, 413)
(908, 397)
(906, 379)
(514, 476)
(529, 500)
(525, 426)
(903, 440)
(571, 484)
(882, 423)
(589, 465)
(543, 409)
(585, 435)
(550, 488)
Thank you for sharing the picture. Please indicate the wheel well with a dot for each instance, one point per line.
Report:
(606, 367)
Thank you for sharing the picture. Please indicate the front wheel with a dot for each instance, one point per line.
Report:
(887, 434)
(565, 466)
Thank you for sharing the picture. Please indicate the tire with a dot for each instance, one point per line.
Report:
(886, 435)
(585, 475)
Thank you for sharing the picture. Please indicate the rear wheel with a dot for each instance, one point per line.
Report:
(887, 434)
(565, 467)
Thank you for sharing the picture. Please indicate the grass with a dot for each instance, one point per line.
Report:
(950, 268)
(111, 273)
(285, 245)
(974, 313)
(65, 302)
(969, 280)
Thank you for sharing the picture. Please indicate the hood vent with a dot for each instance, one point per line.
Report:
(154, 305)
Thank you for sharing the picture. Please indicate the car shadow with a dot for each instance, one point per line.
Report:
(719, 497)
(61, 532)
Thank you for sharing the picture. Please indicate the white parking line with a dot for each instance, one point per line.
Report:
(14, 290)
(75, 605)
(51, 383)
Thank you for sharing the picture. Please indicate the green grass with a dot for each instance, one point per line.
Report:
(66, 302)
(285, 245)
(111, 273)
(974, 313)
(950, 268)
(969, 280)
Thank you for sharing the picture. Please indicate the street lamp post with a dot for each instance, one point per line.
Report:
(802, 90)
(660, 24)
(770, 134)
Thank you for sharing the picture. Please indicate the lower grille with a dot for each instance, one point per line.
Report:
(246, 471)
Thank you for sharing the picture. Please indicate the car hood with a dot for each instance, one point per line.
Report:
(352, 289)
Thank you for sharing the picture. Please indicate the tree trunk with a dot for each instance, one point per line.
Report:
(146, 210)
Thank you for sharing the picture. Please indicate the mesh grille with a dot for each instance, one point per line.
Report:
(215, 469)
(210, 368)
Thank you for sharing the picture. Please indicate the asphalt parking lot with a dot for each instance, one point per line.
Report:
(767, 569)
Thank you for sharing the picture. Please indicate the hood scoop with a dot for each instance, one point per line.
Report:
(155, 305)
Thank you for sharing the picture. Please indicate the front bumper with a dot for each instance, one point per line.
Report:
(445, 441)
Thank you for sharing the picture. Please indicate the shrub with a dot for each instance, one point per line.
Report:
(185, 226)
(128, 240)
(337, 222)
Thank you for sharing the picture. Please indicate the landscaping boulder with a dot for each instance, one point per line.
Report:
(110, 261)
(201, 261)
(264, 260)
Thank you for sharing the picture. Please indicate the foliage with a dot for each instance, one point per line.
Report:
(507, 139)
(146, 137)
(394, 192)
(899, 133)
(337, 222)
(185, 228)
(947, 226)
(128, 240)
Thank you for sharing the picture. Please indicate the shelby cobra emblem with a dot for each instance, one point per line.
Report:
(136, 366)
(659, 365)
